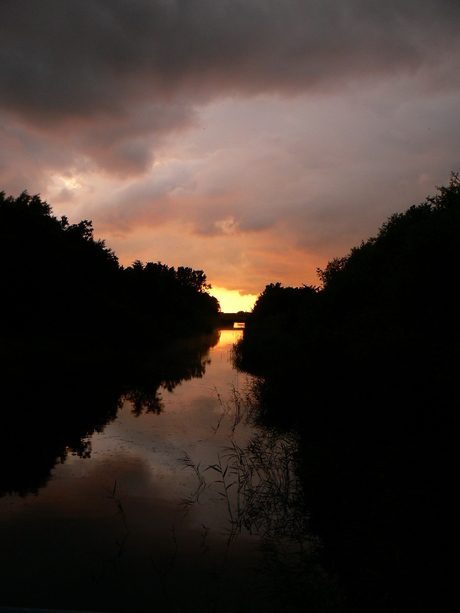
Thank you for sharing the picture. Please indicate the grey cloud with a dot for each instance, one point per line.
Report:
(108, 78)
(24, 153)
(228, 220)
(64, 195)
(146, 202)
(126, 145)
(156, 200)
(63, 58)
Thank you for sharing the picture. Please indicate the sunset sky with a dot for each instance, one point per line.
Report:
(253, 139)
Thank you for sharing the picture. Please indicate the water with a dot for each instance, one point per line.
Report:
(140, 523)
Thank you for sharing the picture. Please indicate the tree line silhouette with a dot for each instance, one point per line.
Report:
(365, 367)
(79, 331)
(57, 280)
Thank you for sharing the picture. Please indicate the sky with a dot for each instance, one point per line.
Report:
(252, 139)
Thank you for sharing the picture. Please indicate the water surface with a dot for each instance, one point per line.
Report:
(135, 522)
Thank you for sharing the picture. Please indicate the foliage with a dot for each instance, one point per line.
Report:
(58, 280)
(387, 310)
(366, 369)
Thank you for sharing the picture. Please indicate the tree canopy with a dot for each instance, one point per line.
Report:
(365, 369)
(56, 278)
(387, 308)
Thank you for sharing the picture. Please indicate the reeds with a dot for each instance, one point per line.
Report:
(121, 536)
(259, 484)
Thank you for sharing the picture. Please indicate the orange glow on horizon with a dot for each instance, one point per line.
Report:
(231, 301)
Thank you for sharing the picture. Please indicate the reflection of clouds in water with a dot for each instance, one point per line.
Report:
(150, 445)
(98, 556)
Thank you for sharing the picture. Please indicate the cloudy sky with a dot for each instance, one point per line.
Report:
(254, 139)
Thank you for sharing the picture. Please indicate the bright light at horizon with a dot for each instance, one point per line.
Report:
(231, 301)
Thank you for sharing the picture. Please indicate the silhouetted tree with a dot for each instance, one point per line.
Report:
(366, 369)
(59, 280)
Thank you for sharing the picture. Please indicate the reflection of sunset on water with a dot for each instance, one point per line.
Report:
(105, 522)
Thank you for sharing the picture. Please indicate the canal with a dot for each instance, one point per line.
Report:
(144, 517)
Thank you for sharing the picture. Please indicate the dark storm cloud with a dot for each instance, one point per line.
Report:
(62, 59)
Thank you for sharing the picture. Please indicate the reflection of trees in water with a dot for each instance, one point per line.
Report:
(144, 401)
(265, 497)
(43, 420)
(180, 361)
(260, 485)
(51, 408)
(377, 480)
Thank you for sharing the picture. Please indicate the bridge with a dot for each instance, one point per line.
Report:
(228, 320)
